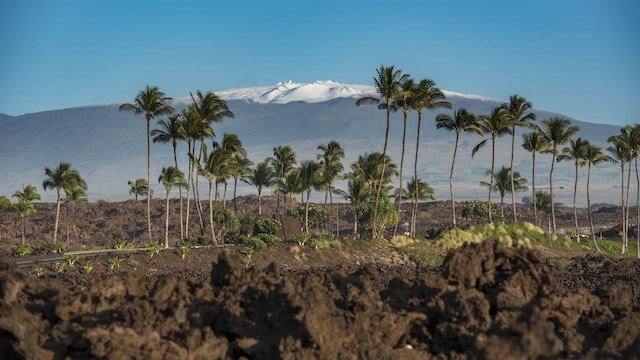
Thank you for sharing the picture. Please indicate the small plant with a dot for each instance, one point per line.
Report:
(114, 263)
(135, 264)
(471, 209)
(302, 239)
(50, 248)
(60, 266)
(88, 268)
(71, 259)
(154, 248)
(38, 271)
(121, 244)
(253, 242)
(269, 226)
(269, 239)
(22, 250)
(183, 252)
(248, 252)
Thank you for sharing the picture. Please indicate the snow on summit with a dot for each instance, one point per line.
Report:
(317, 91)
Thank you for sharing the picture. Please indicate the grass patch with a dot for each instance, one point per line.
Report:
(424, 252)
(560, 262)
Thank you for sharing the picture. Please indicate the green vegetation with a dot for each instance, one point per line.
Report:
(513, 234)
(115, 263)
(22, 250)
(88, 268)
(71, 259)
(49, 248)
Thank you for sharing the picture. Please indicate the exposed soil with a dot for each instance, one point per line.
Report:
(290, 302)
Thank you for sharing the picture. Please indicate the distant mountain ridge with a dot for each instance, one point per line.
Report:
(108, 147)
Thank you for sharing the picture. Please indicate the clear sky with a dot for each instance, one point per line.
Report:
(578, 58)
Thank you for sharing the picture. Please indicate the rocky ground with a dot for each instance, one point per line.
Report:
(357, 301)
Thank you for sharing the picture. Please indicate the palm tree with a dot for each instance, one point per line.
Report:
(170, 131)
(330, 168)
(263, 176)
(619, 154)
(72, 196)
(357, 194)
(209, 167)
(387, 83)
(594, 156)
(61, 178)
(170, 176)
(543, 199)
(502, 184)
(229, 149)
(403, 100)
(575, 152)
(534, 142)
(25, 207)
(139, 187)
(309, 179)
(518, 115)
(557, 131)
(462, 121)
(283, 161)
(152, 103)
(368, 167)
(497, 125)
(416, 191)
(425, 96)
(190, 132)
(241, 171)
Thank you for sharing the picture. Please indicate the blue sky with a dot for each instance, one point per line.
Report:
(578, 58)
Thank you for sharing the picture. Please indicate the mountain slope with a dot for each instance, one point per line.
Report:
(108, 147)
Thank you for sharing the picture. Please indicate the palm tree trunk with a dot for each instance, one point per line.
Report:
(259, 201)
(593, 233)
(414, 210)
(175, 160)
(55, 227)
(213, 234)
(622, 201)
(637, 208)
(575, 208)
(513, 192)
(306, 213)
(404, 136)
(553, 206)
(384, 168)
(533, 186)
(235, 202)
(149, 179)
(493, 159)
(453, 163)
(166, 222)
(625, 242)
(189, 181)
(24, 230)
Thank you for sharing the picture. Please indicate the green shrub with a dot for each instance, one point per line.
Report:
(471, 209)
(252, 242)
(38, 271)
(115, 263)
(321, 240)
(24, 249)
(88, 268)
(267, 226)
(50, 248)
(269, 239)
(513, 234)
(60, 266)
(302, 238)
(317, 215)
(205, 240)
(154, 248)
(121, 244)
(189, 241)
(71, 259)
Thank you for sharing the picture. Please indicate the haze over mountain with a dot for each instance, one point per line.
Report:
(108, 147)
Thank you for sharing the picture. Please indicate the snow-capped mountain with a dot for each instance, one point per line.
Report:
(108, 147)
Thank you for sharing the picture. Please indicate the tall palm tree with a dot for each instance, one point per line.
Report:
(619, 155)
(357, 193)
(502, 184)
(72, 197)
(150, 102)
(282, 162)
(594, 156)
(263, 176)
(557, 131)
(403, 100)
(461, 121)
(575, 152)
(229, 149)
(169, 177)
(61, 178)
(534, 143)
(241, 171)
(170, 131)
(368, 167)
(25, 207)
(416, 191)
(636, 136)
(518, 114)
(309, 179)
(496, 125)
(387, 84)
(330, 168)
(190, 132)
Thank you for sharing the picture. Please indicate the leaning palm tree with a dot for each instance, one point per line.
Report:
(594, 156)
(151, 102)
(262, 176)
(169, 177)
(534, 143)
(61, 178)
(387, 84)
(25, 207)
(72, 197)
(575, 152)
(425, 96)
(496, 125)
(519, 115)
(170, 131)
(461, 121)
(502, 184)
(330, 168)
(557, 131)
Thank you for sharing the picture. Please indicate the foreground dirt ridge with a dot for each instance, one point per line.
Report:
(485, 301)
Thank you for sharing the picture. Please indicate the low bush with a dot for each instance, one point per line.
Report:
(269, 226)
(21, 250)
(514, 234)
(252, 242)
(50, 248)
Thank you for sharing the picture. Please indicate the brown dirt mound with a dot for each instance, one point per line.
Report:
(486, 301)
